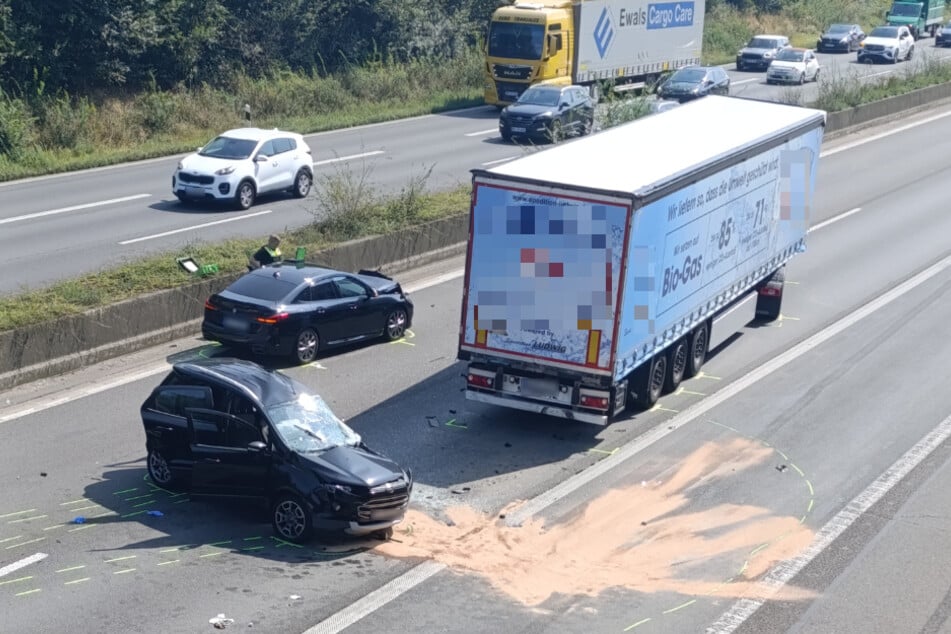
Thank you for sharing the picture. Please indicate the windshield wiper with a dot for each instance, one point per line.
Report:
(310, 432)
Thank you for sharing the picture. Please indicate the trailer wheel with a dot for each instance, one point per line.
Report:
(697, 342)
(769, 298)
(676, 365)
(650, 383)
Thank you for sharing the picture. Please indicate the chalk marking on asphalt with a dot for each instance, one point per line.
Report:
(340, 159)
(23, 563)
(63, 210)
(75, 581)
(137, 497)
(682, 605)
(23, 594)
(17, 580)
(80, 500)
(494, 130)
(220, 552)
(122, 572)
(780, 575)
(127, 515)
(72, 568)
(639, 623)
(108, 561)
(192, 228)
(86, 508)
(165, 563)
(126, 491)
(81, 528)
(376, 599)
(10, 539)
(27, 519)
(826, 223)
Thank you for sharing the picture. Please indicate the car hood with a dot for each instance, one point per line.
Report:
(206, 164)
(784, 64)
(354, 466)
(527, 110)
(882, 41)
(679, 86)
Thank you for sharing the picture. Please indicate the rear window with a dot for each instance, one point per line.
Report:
(268, 289)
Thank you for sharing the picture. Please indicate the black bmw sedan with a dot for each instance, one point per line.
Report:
(228, 427)
(548, 113)
(298, 310)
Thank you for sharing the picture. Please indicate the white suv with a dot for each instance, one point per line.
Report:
(243, 163)
(888, 44)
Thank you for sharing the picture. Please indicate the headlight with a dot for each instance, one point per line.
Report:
(843, 40)
(225, 170)
(544, 115)
(343, 488)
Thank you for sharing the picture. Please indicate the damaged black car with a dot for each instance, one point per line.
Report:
(229, 427)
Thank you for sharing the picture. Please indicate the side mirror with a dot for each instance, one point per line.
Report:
(257, 445)
(887, 13)
(563, 105)
(261, 158)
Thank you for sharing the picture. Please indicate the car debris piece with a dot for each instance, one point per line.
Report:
(220, 622)
(79, 520)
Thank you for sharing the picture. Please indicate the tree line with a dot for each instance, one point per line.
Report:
(83, 46)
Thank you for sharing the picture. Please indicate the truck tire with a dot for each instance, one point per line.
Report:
(769, 306)
(649, 384)
(697, 344)
(677, 357)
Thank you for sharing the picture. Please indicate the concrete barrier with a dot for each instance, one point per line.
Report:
(69, 343)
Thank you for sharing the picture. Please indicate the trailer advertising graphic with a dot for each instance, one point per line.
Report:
(614, 21)
(544, 275)
(690, 245)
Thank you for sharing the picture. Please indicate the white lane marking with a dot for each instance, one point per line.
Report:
(666, 428)
(163, 366)
(346, 158)
(376, 599)
(502, 160)
(744, 81)
(23, 563)
(882, 135)
(484, 132)
(783, 573)
(63, 210)
(833, 219)
(628, 451)
(201, 226)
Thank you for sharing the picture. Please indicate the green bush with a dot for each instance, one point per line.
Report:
(16, 127)
(63, 123)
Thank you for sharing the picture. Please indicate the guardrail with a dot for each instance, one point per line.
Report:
(66, 344)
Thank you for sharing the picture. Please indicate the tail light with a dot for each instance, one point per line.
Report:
(273, 319)
(209, 305)
(770, 291)
(595, 399)
(481, 378)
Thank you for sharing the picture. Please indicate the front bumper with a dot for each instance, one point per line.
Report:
(866, 55)
(202, 187)
(354, 515)
(775, 77)
(833, 46)
(756, 63)
(523, 129)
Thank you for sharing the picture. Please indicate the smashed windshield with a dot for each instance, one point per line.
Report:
(790, 56)
(308, 425)
(228, 148)
(888, 32)
(516, 41)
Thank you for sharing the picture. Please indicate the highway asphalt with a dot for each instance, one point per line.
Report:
(819, 441)
(57, 227)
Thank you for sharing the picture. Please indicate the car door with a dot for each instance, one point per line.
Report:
(325, 311)
(365, 315)
(286, 163)
(812, 65)
(225, 462)
(266, 167)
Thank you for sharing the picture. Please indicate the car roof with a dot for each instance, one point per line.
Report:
(796, 49)
(267, 387)
(771, 36)
(257, 134)
(296, 274)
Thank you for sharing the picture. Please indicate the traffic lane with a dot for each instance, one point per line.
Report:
(883, 573)
(671, 536)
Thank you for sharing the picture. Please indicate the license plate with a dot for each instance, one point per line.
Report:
(539, 388)
(235, 323)
(514, 129)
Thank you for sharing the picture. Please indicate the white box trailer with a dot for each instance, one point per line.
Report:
(618, 40)
(599, 270)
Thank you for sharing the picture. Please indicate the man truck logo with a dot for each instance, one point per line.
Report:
(603, 33)
(669, 15)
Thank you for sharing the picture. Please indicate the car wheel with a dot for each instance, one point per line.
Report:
(506, 136)
(244, 197)
(302, 183)
(159, 471)
(306, 346)
(291, 519)
(395, 325)
(555, 131)
(911, 51)
(676, 365)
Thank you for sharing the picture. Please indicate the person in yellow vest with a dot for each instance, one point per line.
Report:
(267, 254)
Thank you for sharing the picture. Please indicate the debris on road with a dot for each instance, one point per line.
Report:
(220, 622)
(155, 513)
(295, 597)
(781, 468)
(79, 520)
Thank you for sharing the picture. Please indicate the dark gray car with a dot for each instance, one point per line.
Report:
(548, 113)
(760, 51)
(840, 38)
(692, 82)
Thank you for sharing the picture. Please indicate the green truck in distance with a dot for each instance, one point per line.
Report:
(921, 18)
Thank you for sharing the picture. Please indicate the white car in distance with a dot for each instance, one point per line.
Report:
(241, 164)
(793, 65)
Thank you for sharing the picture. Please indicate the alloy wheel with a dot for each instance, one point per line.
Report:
(159, 470)
(290, 519)
(396, 325)
(307, 345)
